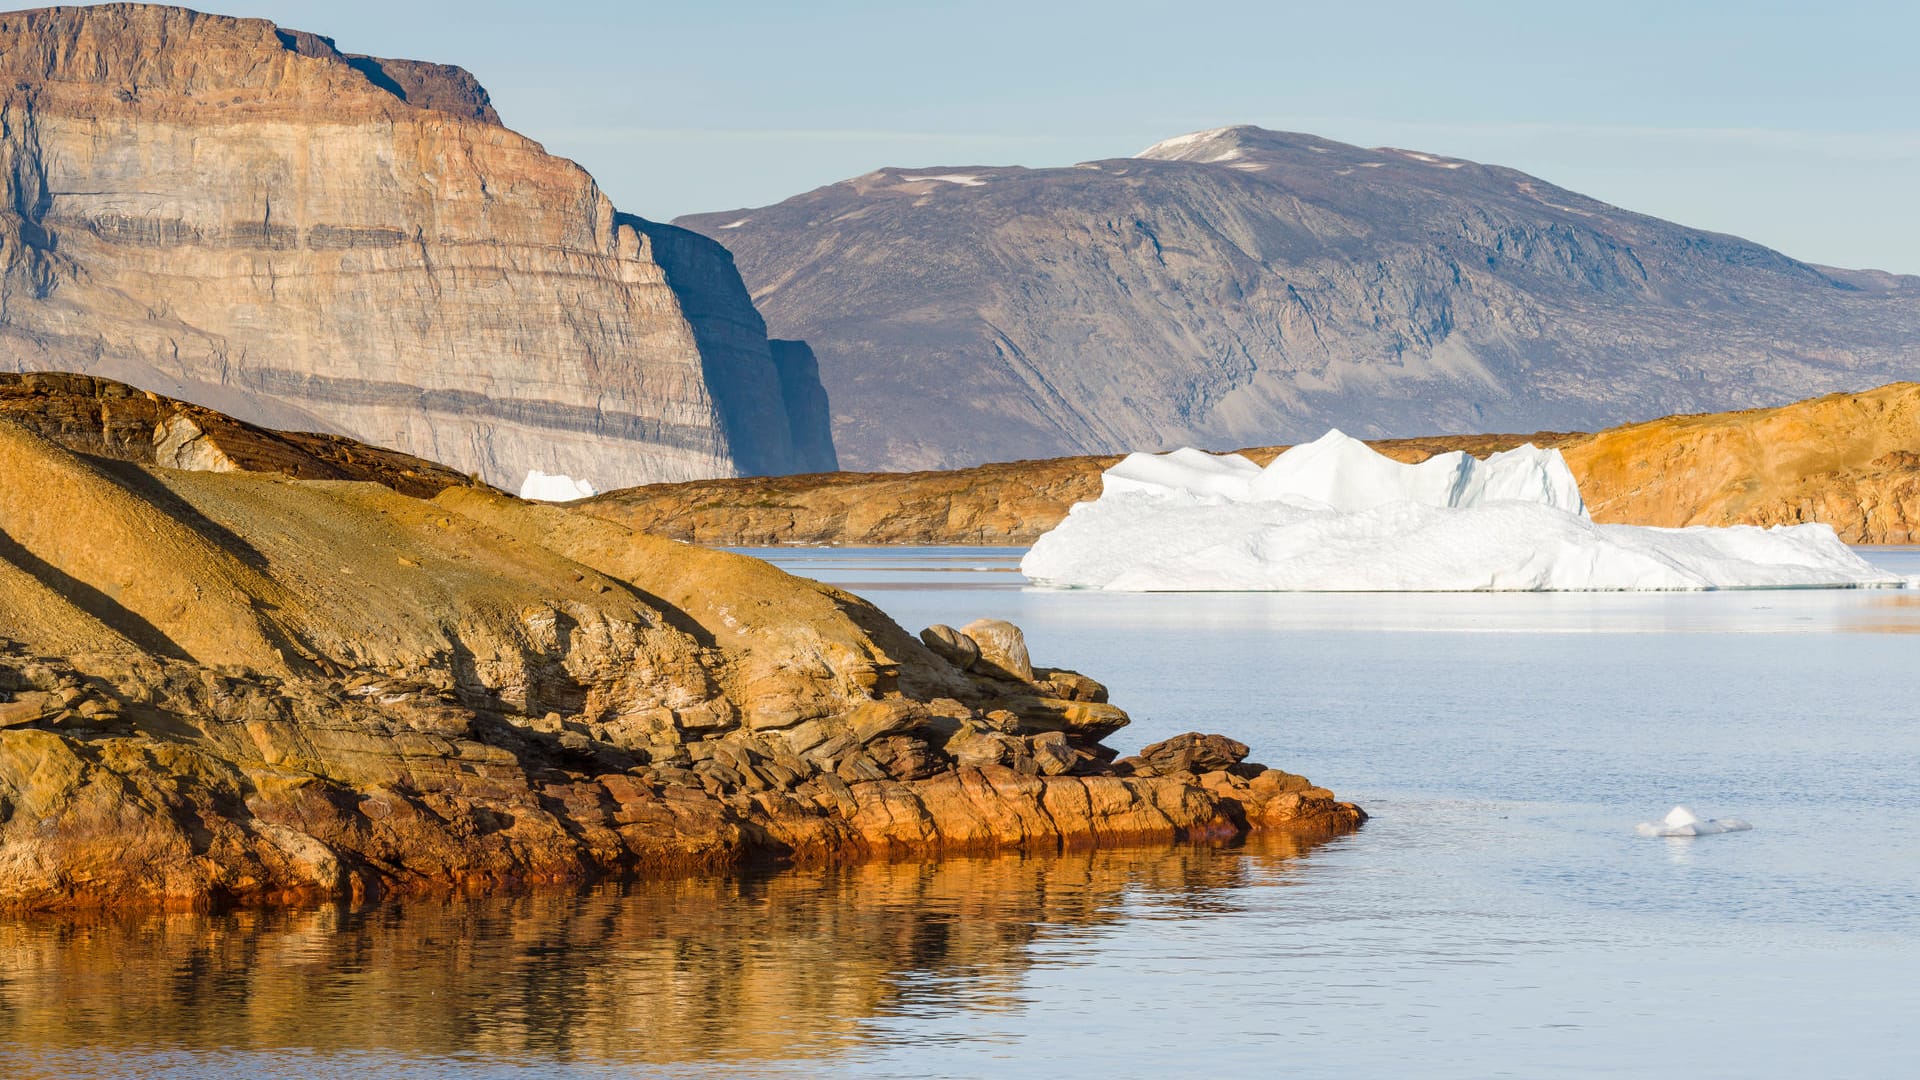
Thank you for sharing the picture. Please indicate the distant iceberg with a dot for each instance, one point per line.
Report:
(1335, 516)
(549, 487)
(1681, 821)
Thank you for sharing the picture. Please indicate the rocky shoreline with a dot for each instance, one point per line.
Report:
(1849, 460)
(241, 688)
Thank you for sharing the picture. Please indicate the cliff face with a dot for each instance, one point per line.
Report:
(223, 685)
(1851, 461)
(248, 218)
(1243, 287)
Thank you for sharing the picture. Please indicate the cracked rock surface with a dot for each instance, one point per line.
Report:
(235, 686)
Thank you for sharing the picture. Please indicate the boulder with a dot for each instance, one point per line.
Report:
(1190, 753)
(951, 645)
(1084, 721)
(1071, 685)
(978, 747)
(1003, 648)
(1054, 754)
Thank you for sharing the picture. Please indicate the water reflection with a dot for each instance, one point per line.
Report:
(774, 967)
(907, 576)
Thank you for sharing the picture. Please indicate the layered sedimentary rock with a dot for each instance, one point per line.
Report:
(220, 685)
(1241, 286)
(1851, 461)
(104, 418)
(245, 217)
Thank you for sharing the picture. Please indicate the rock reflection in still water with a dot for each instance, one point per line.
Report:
(771, 966)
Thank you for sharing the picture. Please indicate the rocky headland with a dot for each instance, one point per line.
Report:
(1849, 460)
(230, 686)
(1243, 286)
(247, 217)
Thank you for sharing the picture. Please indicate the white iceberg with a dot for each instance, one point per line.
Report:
(1681, 821)
(1335, 516)
(552, 487)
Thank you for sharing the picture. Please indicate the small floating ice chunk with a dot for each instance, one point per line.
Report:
(553, 487)
(1681, 821)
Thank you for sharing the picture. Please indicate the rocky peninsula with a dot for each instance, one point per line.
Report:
(1849, 460)
(228, 683)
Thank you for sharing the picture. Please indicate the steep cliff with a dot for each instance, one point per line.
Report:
(248, 218)
(1851, 461)
(1241, 287)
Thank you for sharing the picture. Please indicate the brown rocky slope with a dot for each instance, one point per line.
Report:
(238, 686)
(104, 418)
(1849, 460)
(244, 216)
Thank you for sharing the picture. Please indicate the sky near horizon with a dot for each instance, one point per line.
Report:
(1795, 125)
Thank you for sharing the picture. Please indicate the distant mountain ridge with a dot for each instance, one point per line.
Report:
(1243, 286)
(244, 216)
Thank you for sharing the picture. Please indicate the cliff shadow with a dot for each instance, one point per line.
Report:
(92, 601)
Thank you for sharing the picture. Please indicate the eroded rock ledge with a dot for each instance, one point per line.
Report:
(229, 687)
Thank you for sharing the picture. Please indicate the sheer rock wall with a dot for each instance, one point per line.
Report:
(243, 216)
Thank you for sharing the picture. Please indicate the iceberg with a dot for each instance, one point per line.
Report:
(1681, 821)
(1335, 516)
(552, 487)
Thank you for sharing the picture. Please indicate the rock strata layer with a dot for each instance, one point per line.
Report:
(244, 216)
(227, 686)
(104, 418)
(1851, 461)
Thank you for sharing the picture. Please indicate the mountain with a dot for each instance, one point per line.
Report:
(1241, 286)
(245, 216)
(1851, 461)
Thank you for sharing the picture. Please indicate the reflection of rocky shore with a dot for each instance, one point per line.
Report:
(780, 966)
(235, 686)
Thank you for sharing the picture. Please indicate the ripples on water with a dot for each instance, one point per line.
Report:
(1497, 917)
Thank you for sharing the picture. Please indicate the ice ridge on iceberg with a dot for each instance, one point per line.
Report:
(1335, 516)
(551, 487)
(1681, 821)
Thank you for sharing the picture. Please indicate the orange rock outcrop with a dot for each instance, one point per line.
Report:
(219, 685)
(1849, 460)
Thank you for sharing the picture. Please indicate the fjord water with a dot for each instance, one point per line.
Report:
(1498, 916)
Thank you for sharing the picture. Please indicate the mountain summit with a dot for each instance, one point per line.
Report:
(1242, 286)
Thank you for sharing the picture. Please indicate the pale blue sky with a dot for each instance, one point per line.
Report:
(1797, 125)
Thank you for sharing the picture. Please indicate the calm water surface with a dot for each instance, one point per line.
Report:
(1497, 917)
